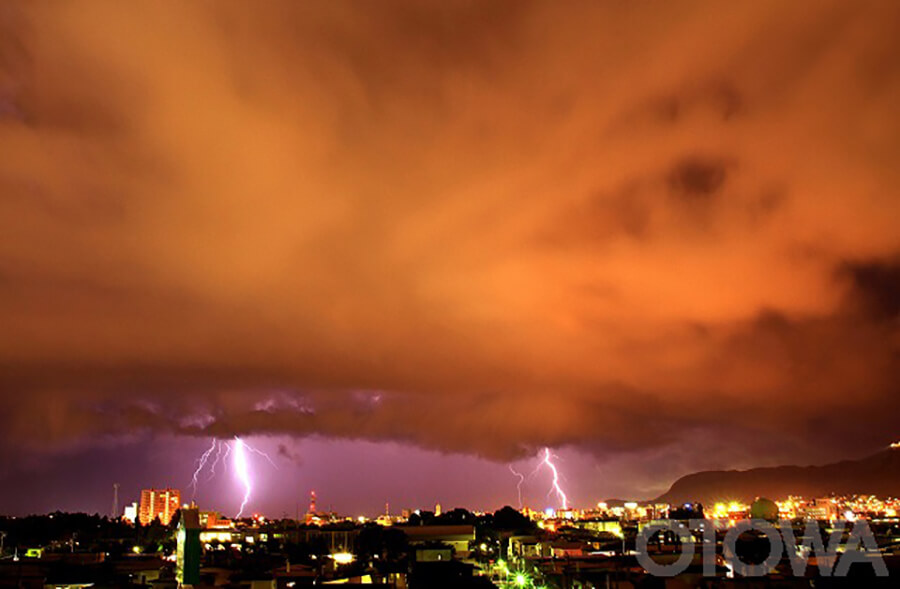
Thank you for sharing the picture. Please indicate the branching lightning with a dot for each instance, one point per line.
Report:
(225, 457)
(519, 484)
(238, 451)
(200, 464)
(560, 494)
(261, 453)
(545, 459)
(219, 457)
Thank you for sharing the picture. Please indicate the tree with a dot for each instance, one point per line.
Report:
(508, 519)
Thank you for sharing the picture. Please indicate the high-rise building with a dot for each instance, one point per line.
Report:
(131, 512)
(159, 504)
(188, 552)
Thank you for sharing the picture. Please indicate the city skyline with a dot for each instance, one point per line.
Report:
(390, 474)
(281, 490)
(400, 247)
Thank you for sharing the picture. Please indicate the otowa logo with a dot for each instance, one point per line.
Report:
(859, 547)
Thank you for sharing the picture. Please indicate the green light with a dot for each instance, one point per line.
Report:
(521, 580)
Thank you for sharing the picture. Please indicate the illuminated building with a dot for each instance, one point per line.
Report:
(158, 504)
(223, 536)
(822, 509)
(528, 547)
(187, 559)
(212, 519)
(610, 526)
(131, 512)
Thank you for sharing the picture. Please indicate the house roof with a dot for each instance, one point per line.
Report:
(440, 533)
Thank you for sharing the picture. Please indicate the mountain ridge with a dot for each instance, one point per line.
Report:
(878, 474)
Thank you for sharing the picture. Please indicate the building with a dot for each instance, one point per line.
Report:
(187, 557)
(212, 519)
(435, 553)
(597, 525)
(457, 537)
(822, 509)
(528, 547)
(131, 513)
(159, 504)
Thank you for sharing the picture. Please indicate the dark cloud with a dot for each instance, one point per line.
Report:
(477, 229)
(698, 178)
(286, 452)
(875, 287)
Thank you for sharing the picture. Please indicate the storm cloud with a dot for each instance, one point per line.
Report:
(478, 228)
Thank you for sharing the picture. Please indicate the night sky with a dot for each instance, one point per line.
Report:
(402, 245)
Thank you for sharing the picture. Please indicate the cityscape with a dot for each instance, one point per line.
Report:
(163, 541)
(440, 294)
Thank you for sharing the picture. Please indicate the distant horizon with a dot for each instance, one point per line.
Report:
(217, 493)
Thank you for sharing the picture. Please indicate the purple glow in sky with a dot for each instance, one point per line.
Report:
(390, 472)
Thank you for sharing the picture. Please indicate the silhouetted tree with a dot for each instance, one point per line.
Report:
(508, 519)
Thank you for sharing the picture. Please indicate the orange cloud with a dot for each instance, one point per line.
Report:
(523, 224)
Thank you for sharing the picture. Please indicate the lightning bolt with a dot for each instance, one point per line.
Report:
(519, 484)
(215, 463)
(225, 457)
(242, 472)
(560, 494)
(218, 453)
(200, 464)
(261, 453)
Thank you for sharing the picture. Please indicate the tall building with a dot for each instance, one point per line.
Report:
(188, 551)
(159, 504)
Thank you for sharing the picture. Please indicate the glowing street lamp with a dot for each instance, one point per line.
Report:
(342, 557)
